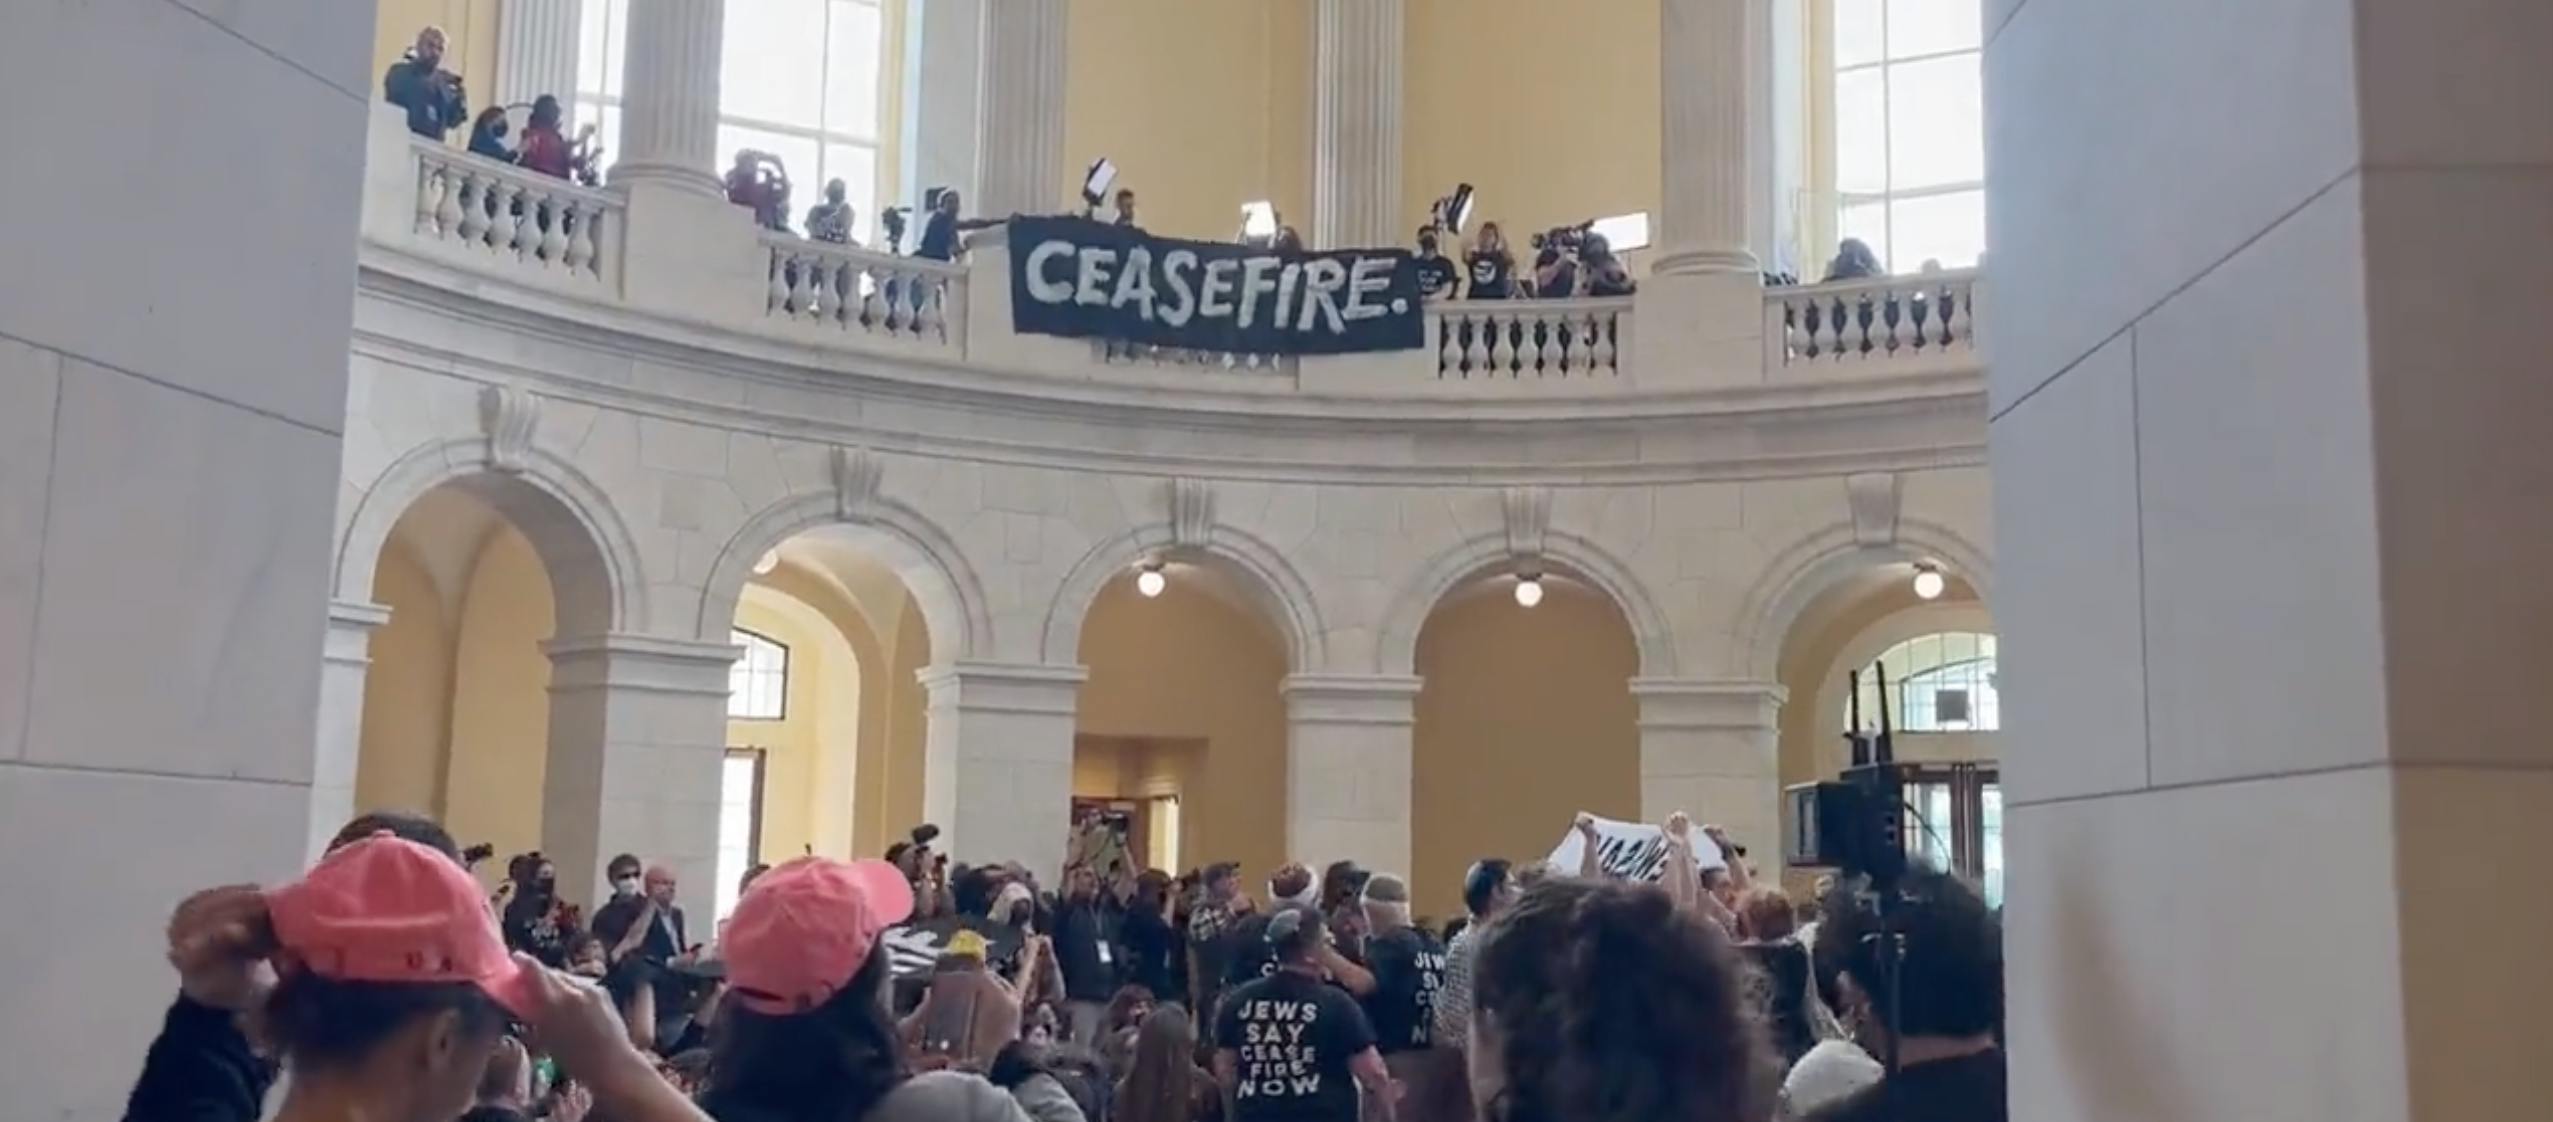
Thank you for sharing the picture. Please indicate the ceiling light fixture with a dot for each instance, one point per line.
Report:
(1528, 590)
(764, 564)
(1149, 580)
(1928, 581)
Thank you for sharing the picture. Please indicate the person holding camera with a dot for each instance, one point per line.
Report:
(1491, 264)
(760, 184)
(545, 147)
(433, 96)
(830, 221)
(1600, 272)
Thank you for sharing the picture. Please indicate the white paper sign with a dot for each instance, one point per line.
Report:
(1629, 851)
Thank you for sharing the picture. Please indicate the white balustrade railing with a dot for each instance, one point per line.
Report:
(862, 292)
(515, 215)
(1510, 340)
(1926, 317)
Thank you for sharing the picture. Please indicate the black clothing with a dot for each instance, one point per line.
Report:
(432, 97)
(1610, 282)
(1409, 967)
(491, 144)
(1966, 1089)
(939, 237)
(535, 926)
(1247, 957)
(660, 946)
(1152, 949)
(1436, 276)
(1293, 1038)
(200, 1069)
(1493, 276)
(1080, 930)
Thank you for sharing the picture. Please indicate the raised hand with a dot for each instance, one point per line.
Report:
(219, 940)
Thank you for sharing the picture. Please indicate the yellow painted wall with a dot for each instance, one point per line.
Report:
(1525, 718)
(1550, 110)
(1204, 104)
(809, 755)
(469, 25)
(1192, 665)
(407, 692)
(500, 700)
(908, 723)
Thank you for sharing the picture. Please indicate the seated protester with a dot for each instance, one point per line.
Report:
(545, 148)
(645, 939)
(1937, 1017)
(432, 95)
(392, 990)
(1601, 1001)
(806, 1036)
(1409, 970)
(1436, 274)
(201, 1067)
(487, 135)
(1021, 1068)
(534, 919)
(1290, 1046)
(1164, 1083)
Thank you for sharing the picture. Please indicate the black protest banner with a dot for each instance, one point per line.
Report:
(1083, 279)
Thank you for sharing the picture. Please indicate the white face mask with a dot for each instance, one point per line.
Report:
(626, 886)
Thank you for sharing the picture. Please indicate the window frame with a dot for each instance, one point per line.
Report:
(761, 758)
(746, 637)
(1825, 223)
(1900, 683)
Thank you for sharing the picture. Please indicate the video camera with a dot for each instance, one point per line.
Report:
(1566, 239)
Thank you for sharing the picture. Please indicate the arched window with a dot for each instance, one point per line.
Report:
(758, 683)
(1906, 156)
(796, 78)
(1944, 682)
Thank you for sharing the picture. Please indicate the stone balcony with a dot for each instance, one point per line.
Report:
(455, 220)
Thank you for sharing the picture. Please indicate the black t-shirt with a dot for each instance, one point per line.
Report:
(1967, 1089)
(1246, 954)
(1293, 1037)
(1435, 276)
(1408, 968)
(939, 237)
(1492, 275)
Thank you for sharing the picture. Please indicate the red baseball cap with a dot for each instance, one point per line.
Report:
(386, 909)
(805, 928)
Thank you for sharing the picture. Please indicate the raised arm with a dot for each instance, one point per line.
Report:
(1590, 863)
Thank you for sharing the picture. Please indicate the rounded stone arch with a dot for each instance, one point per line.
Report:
(1282, 594)
(1818, 561)
(570, 522)
(922, 554)
(1396, 651)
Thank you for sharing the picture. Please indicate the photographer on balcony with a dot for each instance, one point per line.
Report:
(830, 221)
(759, 183)
(1600, 273)
(433, 96)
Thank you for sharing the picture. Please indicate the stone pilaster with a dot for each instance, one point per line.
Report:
(345, 658)
(638, 734)
(1019, 109)
(1712, 750)
(1347, 768)
(997, 771)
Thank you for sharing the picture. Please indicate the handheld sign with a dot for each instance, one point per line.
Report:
(1082, 279)
(1629, 851)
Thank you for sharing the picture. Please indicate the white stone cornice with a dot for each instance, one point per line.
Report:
(1004, 687)
(350, 627)
(1680, 703)
(644, 663)
(1350, 699)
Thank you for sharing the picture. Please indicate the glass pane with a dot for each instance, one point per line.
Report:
(1858, 36)
(1991, 828)
(771, 65)
(1929, 27)
(856, 165)
(1861, 132)
(589, 47)
(1936, 124)
(1869, 222)
(851, 70)
(604, 71)
(735, 828)
(1948, 229)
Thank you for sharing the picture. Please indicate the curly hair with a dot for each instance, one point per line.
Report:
(1611, 1005)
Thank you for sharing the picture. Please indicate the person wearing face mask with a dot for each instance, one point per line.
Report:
(536, 921)
(487, 135)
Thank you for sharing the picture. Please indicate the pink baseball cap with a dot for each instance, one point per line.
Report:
(386, 909)
(805, 928)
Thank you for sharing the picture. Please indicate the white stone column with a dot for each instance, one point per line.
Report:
(997, 771)
(669, 100)
(536, 50)
(638, 735)
(345, 657)
(1356, 144)
(1347, 769)
(1705, 53)
(1020, 109)
(1712, 749)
